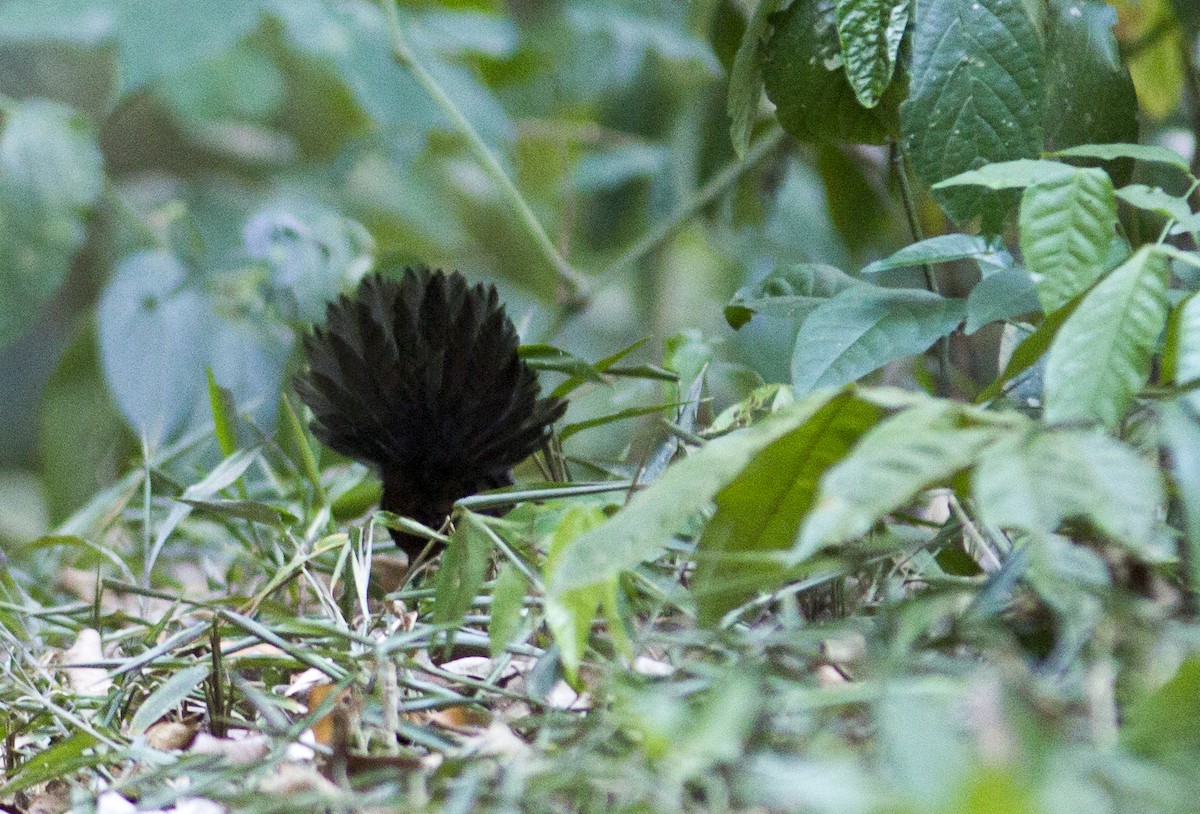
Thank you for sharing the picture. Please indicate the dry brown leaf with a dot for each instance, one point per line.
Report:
(388, 571)
(167, 736)
(459, 718)
(324, 728)
(54, 799)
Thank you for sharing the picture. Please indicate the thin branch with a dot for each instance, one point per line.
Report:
(661, 232)
(574, 285)
(931, 282)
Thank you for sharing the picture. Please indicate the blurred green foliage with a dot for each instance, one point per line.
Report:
(840, 597)
(182, 188)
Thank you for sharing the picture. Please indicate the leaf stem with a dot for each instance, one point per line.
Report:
(662, 231)
(918, 234)
(574, 294)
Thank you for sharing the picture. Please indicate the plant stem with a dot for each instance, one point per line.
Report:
(1186, 55)
(931, 282)
(574, 286)
(662, 231)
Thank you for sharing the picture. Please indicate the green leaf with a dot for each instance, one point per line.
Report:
(222, 412)
(1030, 350)
(1066, 228)
(631, 412)
(1090, 98)
(746, 80)
(253, 510)
(1036, 481)
(154, 333)
(933, 250)
(1154, 199)
(640, 530)
(313, 254)
(759, 513)
(160, 333)
(870, 32)
(51, 172)
(791, 293)
(354, 41)
(976, 95)
(1004, 295)
(168, 695)
(1184, 352)
(1165, 724)
(1101, 356)
(1181, 436)
(178, 35)
(1148, 153)
(909, 452)
(81, 436)
(569, 612)
(1016, 174)
(603, 366)
(804, 77)
(548, 357)
(462, 570)
(58, 761)
(864, 328)
(508, 605)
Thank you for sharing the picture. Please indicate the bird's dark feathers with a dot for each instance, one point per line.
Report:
(420, 378)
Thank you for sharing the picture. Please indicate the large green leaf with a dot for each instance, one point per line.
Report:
(159, 332)
(169, 695)
(1185, 353)
(1016, 174)
(1004, 295)
(462, 570)
(153, 332)
(1089, 93)
(791, 292)
(313, 254)
(1181, 436)
(940, 249)
(909, 452)
(1034, 482)
(1150, 153)
(51, 172)
(81, 437)
(804, 77)
(569, 613)
(759, 514)
(1031, 349)
(865, 327)
(1166, 723)
(165, 40)
(1154, 199)
(354, 39)
(976, 94)
(745, 79)
(870, 32)
(1101, 356)
(640, 530)
(507, 611)
(1066, 227)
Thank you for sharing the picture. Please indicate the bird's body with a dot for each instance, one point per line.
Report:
(420, 377)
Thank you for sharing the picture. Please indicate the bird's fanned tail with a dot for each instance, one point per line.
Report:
(420, 377)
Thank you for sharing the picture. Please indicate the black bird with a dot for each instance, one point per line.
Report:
(420, 378)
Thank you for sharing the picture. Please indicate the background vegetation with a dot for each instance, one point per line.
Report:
(878, 491)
